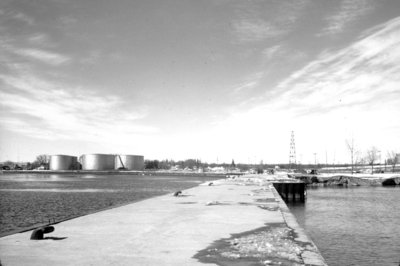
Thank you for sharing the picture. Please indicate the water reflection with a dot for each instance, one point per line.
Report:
(93, 176)
(38, 177)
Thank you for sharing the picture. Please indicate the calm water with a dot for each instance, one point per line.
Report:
(353, 226)
(28, 200)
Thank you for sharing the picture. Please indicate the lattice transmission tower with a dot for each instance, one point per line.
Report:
(292, 152)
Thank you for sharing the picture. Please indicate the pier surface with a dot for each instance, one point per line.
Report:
(240, 221)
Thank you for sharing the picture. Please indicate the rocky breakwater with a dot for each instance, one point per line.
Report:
(346, 179)
(235, 221)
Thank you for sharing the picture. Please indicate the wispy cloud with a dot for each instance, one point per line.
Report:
(355, 89)
(14, 15)
(250, 82)
(28, 45)
(289, 12)
(40, 39)
(272, 51)
(92, 57)
(253, 26)
(23, 17)
(255, 30)
(349, 11)
(59, 111)
(44, 56)
(68, 20)
(368, 66)
(351, 88)
(40, 106)
(11, 48)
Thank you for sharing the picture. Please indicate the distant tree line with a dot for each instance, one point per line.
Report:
(185, 164)
(41, 161)
(168, 164)
(198, 164)
(370, 157)
(357, 158)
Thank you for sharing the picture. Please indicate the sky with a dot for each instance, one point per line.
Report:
(214, 80)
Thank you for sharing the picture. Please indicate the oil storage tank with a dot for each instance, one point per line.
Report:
(63, 162)
(129, 162)
(97, 161)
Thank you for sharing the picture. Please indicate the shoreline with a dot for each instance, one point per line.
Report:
(344, 179)
(117, 172)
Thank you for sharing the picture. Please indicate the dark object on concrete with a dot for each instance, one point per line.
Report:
(178, 193)
(291, 191)
(314, 172)
(38, 233)
(211, 183)
(389, 182)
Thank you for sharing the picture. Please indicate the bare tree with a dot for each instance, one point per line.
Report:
(351, 147)
(392, 159)
(43, 159)
(359, 159)
(372, 157)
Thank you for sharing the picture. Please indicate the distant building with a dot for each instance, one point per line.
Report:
(217, 169)
(107, 162)
(97, 162)
(175, 168)
(129, 162)
(63, 162)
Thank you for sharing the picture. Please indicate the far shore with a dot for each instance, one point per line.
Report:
(117, 172)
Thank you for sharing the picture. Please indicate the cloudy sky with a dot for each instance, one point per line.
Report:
(208, 79)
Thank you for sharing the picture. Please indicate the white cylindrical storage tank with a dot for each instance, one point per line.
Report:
(63, 162)
(97, 161)
(129, 162)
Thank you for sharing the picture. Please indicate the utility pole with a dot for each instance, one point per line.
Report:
(315, 159)
(326, 158)
(292, 151)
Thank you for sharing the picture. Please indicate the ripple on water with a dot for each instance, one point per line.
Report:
(353, 226)
(59, 190)
(30, 199)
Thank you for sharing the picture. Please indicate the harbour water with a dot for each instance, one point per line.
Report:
(350, 226)
(354, 225)
(28, 200)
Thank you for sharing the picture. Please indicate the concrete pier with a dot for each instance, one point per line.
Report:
(291, 191)
(240, 221)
